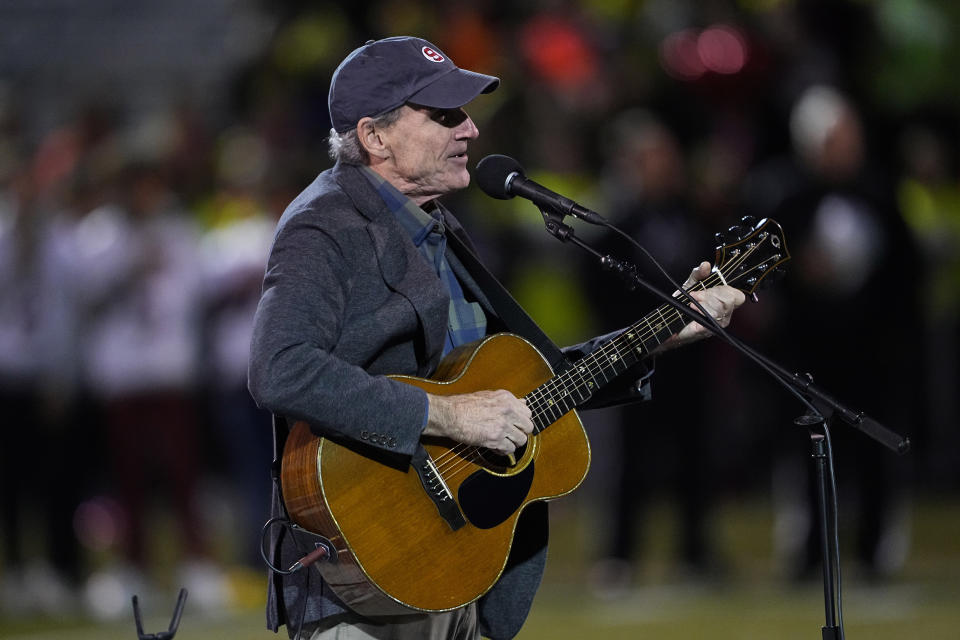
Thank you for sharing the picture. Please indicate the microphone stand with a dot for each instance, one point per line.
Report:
(800, 386)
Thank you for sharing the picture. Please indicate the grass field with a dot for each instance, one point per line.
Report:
(750, 601)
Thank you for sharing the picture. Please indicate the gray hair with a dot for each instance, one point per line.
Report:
(346, 148)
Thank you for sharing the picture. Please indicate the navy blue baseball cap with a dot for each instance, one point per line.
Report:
(385, 74)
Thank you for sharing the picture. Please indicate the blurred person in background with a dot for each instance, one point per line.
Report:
(233, 252)
(141, 283)
(849, 251)
(33, 454)
(360, 284)
(929, 198)
(647, 190)
(46, 427)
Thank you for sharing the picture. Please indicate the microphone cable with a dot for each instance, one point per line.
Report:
(297, 566)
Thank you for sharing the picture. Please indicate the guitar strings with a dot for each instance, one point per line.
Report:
(540, 399)
(614, 345)
(465, 455)
(538, 395)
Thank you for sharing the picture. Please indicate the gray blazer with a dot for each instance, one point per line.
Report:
(346, 300)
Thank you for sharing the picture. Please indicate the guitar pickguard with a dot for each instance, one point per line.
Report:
(489, 500)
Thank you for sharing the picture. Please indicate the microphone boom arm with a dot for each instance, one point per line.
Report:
(800, 386)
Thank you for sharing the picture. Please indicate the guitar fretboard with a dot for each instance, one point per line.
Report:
(574, 386)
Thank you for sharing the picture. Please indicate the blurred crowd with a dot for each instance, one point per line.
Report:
(134, 233)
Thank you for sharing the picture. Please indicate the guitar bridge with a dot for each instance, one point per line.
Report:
(437, 489)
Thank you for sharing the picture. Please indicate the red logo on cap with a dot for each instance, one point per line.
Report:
(431, 55)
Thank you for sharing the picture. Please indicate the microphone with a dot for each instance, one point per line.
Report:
(502, 177)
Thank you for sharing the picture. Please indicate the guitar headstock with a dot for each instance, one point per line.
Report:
(750, 253)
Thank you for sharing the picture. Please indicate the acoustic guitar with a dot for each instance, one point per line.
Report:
(435, 535)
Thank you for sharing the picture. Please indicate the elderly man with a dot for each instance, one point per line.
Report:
(368, 276)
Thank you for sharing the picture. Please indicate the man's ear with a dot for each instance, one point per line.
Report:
(371, 140)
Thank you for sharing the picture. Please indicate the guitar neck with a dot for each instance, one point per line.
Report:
(741, 264)
(574, 386)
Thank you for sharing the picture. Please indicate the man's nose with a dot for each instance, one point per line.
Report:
(467, 130)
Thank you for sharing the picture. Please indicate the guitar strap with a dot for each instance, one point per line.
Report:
(504, 305)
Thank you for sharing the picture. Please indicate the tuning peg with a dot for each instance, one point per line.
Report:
(753, 298)
(749, 221)
(736, 231)
(720, 238)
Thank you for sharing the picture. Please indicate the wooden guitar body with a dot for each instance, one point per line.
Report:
(395, 551)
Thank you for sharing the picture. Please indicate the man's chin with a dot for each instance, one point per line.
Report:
(458, 182)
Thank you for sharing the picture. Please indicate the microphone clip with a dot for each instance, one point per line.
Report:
(553, 221)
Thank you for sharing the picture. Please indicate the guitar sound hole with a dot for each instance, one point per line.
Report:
(488, 500)
(500, 462)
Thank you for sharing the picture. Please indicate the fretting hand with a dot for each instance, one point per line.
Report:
(719, 301)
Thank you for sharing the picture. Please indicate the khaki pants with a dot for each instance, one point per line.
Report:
(459, 624)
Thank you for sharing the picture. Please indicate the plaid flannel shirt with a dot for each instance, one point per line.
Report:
(466, 321)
